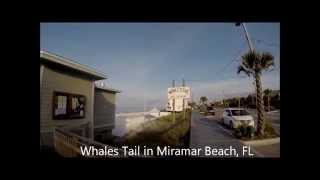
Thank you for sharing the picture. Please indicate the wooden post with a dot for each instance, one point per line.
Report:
(173, 103)
(183, 109)
(183, 102)
(41, 78)
(268, 103)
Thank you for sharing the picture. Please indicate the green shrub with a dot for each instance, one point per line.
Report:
(250, 132)
(237, 133)
(269, 130)
(244, 131)
(247, 132)
(161, 131)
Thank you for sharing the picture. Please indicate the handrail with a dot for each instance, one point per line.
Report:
(68, 144)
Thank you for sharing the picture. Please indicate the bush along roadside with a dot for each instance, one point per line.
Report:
(162, 132)
(245, 132)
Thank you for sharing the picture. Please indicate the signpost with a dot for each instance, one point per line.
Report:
(176, 98)
(183, 103)
(173, 105)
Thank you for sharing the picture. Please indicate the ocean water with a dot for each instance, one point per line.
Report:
(132, 109)
(126, 122)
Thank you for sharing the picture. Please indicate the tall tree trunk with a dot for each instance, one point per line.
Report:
(268, 103)
(260, 105)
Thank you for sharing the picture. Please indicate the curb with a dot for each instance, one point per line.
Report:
(262, 142)
(258, 154)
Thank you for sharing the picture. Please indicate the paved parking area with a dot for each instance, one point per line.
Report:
(206, 131)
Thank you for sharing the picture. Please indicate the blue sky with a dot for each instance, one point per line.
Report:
(142, 59)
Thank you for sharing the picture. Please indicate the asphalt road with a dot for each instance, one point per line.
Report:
(205, 131)
(273, 117)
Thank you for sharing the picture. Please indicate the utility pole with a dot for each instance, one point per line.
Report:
(248, 40)
(246, 34)
(173, 104)
(223, 100)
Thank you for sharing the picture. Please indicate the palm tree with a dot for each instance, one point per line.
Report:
(203, 99)
(253, 63)
(267, 93)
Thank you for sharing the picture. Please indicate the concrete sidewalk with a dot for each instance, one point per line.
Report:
(272, 150)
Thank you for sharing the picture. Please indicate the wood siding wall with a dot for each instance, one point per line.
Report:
(104, 108)
(56, 80)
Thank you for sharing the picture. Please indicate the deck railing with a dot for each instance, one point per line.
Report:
(68, 144)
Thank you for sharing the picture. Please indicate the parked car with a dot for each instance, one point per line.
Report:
(234, 117)
(211, 110)
(203, 109)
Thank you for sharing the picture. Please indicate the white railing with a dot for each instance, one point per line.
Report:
(68, 144)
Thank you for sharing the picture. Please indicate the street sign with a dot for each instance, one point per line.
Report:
(177, 96)
(179, 92)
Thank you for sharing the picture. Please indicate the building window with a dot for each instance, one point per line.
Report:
(68, 106)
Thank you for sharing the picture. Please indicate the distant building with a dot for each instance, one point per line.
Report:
(70, 99)
(157, 113)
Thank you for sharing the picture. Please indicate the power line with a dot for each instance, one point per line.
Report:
(259, 41)
(237, 58)
(220, 72)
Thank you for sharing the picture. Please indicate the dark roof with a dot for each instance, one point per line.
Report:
(108, 89)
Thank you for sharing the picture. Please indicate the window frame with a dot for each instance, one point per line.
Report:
(68, 115)
(228, 113)
(246, 113)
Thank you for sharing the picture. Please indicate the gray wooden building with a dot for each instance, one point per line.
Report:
(104, 112)
(69, 98)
